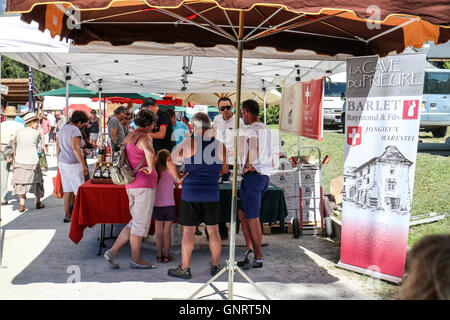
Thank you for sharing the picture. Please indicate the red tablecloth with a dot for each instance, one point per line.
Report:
(104, 204)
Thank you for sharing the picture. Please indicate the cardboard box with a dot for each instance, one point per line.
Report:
(310, 190)
(308, 159)
(310, 177)
(336, 188)
(292, 203)
(311, 204)
(290, 190)
(311, 215)
(282, 178)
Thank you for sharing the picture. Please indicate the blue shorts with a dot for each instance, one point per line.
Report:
(251, 192)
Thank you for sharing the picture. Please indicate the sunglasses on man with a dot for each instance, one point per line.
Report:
(222, 108)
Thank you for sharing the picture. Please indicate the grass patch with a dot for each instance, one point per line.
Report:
(431, 182)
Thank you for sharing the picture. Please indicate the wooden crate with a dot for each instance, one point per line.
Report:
(289, 227)
(267, 227)
(100, 181)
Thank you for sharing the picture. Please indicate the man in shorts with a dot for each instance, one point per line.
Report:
(257, 160)
(204, 158)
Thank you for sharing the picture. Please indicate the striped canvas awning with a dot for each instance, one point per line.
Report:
(328, 27)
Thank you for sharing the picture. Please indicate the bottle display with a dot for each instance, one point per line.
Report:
(98, 173)
(106, 174)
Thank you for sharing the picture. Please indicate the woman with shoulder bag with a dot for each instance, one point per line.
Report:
(27, 173)
(141, 192)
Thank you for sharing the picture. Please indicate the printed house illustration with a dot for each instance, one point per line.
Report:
(381, 183)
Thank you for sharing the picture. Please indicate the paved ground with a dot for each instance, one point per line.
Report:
(41, 262)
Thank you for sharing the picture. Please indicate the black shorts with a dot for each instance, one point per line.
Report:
(194, 213)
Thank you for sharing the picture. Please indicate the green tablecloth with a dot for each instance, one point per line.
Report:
(273, 204)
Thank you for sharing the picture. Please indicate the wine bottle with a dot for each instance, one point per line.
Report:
(106, 174)
(98, 173)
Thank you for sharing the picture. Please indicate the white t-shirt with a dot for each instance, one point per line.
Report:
(52, 119)
(225, 133)
(8, 130)
(263, 163)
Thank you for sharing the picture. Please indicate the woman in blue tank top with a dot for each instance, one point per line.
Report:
(201, 184)
(204, 158)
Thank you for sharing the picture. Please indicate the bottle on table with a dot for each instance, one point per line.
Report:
(106, 174)
(98, 173)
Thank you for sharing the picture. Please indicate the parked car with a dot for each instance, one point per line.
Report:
(333, 99)
(435, 113)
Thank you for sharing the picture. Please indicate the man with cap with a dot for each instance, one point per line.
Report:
(115, 128)
(162, 132)
(8, 130)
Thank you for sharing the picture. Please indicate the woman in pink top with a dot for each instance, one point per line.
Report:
(164, 210)
(141, 192)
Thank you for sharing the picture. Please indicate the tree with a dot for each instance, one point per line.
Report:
(272, 114)
(12, 69)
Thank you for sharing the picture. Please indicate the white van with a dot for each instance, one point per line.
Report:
(435, 113)
(333, 99)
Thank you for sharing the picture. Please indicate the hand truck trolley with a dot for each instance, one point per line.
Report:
(310, 216)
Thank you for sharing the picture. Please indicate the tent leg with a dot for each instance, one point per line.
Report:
(67, 93)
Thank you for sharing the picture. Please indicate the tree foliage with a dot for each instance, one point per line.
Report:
(12, 69)
(272, 114)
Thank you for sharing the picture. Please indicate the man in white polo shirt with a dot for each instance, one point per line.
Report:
(257, 160)
(224, 125)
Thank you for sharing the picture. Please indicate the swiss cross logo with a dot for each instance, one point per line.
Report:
(410, 109)
(307, 94)
(354, 136)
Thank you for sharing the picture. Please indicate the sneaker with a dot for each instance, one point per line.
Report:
(258, 264)
(109, 257)
(180, 273)
(215, 269)
(247, 263)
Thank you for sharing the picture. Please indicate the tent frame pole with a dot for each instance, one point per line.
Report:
(67, 92)
(2, 232)
(231, 263)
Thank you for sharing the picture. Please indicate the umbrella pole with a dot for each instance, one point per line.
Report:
(265, 116)
(231, 263)
(100, 110)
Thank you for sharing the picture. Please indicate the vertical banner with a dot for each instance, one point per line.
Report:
(301, 109)
(31, 101)
(382, 128)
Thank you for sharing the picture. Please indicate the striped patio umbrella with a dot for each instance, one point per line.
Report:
(328, 27)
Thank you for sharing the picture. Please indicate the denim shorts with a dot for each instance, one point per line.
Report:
(252, 189)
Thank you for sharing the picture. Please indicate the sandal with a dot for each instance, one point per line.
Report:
(39, 205)
(160, 259)
(167, 259)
